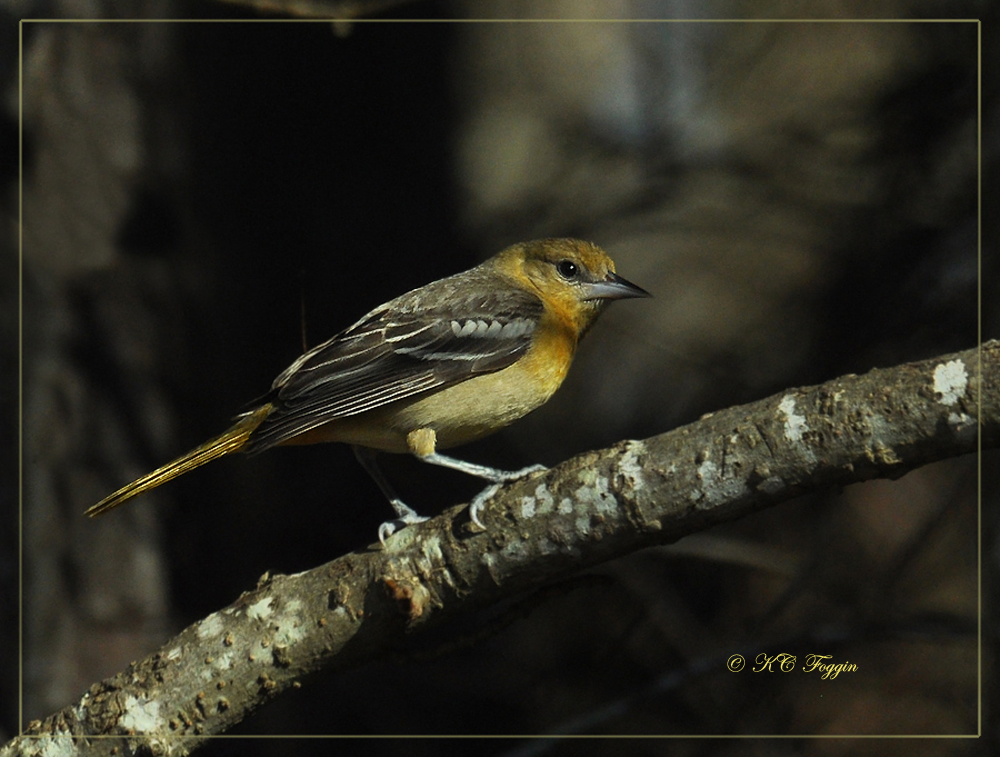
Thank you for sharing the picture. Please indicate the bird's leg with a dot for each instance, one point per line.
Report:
(422, 443)
(406, 515)
(497, 476)
(481, 471)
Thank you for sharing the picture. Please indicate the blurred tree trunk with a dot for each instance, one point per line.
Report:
(101, 336)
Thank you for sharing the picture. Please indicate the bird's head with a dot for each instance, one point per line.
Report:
(574, 278)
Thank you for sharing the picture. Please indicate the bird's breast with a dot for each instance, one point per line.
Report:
(484, 404)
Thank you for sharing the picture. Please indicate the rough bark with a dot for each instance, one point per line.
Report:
(592, 508)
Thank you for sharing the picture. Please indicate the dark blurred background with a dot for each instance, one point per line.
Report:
(199, 198)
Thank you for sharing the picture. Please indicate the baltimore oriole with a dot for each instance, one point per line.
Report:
(439, 366)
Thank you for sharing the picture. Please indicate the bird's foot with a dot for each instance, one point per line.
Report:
(407, 517)
(501, 477)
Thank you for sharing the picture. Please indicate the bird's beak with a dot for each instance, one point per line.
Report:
(614, 287)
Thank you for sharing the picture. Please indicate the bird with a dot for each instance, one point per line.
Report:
(442, 365)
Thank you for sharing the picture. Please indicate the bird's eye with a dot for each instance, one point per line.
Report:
(568, 269)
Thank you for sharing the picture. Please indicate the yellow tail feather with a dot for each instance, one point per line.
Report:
(230, 441)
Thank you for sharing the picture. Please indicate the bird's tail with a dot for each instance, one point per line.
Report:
(230, 441)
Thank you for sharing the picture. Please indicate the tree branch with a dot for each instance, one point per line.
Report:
(594, 507)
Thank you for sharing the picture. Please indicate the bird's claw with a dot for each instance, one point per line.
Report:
(390, 527)
(477, 504)
(480, 500)
(386, 530)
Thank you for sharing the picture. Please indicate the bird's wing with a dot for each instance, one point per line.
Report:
(404, 348)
